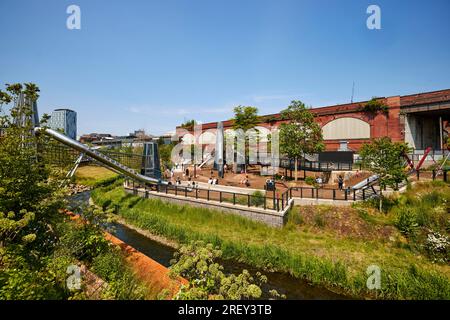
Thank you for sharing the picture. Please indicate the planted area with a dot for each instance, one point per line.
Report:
(94, 176)
(312, 249)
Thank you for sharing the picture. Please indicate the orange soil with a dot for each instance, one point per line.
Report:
(148, 270)
(155, 275)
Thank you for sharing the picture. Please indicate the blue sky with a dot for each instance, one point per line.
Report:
(153, 64)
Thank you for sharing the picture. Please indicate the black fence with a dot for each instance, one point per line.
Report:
(332, 193)
(318, 166)
(266, 201)
(433, 175)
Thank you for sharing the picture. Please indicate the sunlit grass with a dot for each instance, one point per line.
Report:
(319, 257)
(93, 175)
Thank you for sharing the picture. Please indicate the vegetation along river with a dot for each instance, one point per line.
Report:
(284, 283)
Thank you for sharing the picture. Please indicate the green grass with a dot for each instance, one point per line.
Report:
(320, 257)
(94, 176)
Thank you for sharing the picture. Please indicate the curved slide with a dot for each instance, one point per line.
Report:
(111, 163)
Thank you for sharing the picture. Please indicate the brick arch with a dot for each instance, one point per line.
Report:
(361, 117)
(350, 128)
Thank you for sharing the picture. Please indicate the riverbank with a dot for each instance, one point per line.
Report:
(337, 263)
(162, 250)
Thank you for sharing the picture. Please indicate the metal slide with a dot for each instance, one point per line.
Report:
(365, 182)
(111, 163)
(208, 158)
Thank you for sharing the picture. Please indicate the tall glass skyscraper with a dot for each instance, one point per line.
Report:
(64, 120)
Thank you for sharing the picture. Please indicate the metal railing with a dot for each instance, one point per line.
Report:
(266, 201)
(321, 166)
(433, 174)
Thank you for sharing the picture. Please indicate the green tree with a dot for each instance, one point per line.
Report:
(245, 117)
(301, 135)
(385, 158)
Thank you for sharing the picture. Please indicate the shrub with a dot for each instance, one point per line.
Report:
(197, 262)
(257, 199)
(319, 220)
(122, 283)
(406, 221)
(310, 180)
(438, 247)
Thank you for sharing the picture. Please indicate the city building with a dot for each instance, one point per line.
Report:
(422, 120)
(64, 120)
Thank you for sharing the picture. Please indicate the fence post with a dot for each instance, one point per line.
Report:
(434, 174)
(301, 192)
(345, 194)
(278, 204)
(445, 175)
(248, 200)
(312, 192)
(282, 202)
(317, 193)
(354, 195)
(364, 194)
(265, 204)
(334, 194)
(207, 195)
(417, 174)
(234, 198)
(185, 191)
(220, 196)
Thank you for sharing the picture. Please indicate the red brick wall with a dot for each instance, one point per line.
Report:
(381, 124)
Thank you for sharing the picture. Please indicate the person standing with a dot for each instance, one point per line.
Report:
(340, 182)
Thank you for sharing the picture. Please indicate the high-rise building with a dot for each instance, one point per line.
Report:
(64, 120)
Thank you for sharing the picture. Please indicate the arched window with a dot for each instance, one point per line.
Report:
(346, 128)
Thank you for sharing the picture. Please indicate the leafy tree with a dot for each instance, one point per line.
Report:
(301, 135)
(165, 152)
(37, 241)
(245, 117)
(385, 158)
(207, 281)
(189, 124)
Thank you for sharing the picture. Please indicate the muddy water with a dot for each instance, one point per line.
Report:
(284, 283)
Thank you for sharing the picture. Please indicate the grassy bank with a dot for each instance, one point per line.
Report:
(307, 251)
(94, 176)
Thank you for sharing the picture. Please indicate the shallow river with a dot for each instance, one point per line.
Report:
(284, 283)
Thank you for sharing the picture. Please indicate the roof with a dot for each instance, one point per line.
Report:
(62, 109)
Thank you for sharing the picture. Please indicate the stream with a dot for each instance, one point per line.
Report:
(284, 283)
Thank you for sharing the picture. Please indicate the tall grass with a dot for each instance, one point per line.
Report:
(324, 260)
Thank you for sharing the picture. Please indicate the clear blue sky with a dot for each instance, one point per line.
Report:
(152, 64)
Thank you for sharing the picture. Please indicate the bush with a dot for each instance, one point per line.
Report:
(438, 247)
(257, 199)
(319, 220)
(196, 262)
(311, 181)
(122, 283)
(406, 221)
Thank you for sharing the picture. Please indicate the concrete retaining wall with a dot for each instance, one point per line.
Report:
(270, 217)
